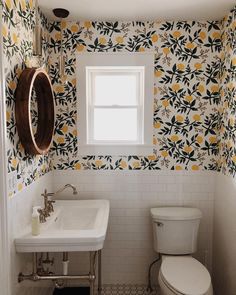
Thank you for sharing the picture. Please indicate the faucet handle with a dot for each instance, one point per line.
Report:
(45, 194)
(50, 206)
(42, 215)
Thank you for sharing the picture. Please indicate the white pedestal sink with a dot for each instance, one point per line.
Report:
(78, 225)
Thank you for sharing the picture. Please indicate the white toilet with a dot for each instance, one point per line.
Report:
(175, 232)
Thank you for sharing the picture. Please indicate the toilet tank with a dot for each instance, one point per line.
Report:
(175, 229)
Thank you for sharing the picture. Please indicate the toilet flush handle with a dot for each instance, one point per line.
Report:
(159, 223)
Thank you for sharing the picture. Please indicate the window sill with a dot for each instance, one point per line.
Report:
(115, 150)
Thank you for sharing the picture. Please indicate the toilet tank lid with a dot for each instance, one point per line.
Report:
(175, 213)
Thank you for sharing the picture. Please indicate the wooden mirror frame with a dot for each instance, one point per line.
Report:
(41, 141)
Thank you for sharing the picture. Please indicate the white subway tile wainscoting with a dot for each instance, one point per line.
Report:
(128, 249)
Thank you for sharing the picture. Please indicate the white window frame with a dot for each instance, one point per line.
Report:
(86, 62)
(91, 72)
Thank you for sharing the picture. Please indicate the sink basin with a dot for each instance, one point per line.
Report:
(75, 225)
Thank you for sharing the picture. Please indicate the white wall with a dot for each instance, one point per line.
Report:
(20, 210)
(128, 248)
(224, 243)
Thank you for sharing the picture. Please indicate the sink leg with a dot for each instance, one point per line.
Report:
(92, 271)
(99, 272)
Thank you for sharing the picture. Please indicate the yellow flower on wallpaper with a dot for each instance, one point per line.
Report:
(20, 187)
(119, 39)
(164, 154)
(229, 144)
(166, 50)
(213, 139)
(87, 24)
(98, 163)
(179, 118)
(80, 47)
(59, 88)
(63, 24)
(60, 139)
(141, 49)
(123, 164)
(188, 149)
(64, 128)
(31, 3)
(74, 28)
(201, 88)
(102, 40)
(216, 35)
(23, 4)
(197, 117)
(233, 61)
(181, 67)
(12, 85)
(152, 157)
(136, 164)
(77, 166)
(234, 158)
(158, 73)
(176, 87)
(165, 103)
(231, 85)
(157, 125)
(8, 3)
(215, 88)
(174, 138)
(199, 139)
(195, 167)
(154, 38)
(58, 36)
(14, 162)
(8, 116)
(231, 121)
(202, 35)
(178, 167)
(4, 31)
(190, 45)
(197, 66)
(188, 98)
(177, 34)
(15, 38)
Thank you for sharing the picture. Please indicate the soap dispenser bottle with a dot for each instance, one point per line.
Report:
(35, 221)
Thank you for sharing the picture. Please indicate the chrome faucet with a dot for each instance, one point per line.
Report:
(75, 192)
(48, 204)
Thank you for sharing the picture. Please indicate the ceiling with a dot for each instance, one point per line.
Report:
(127, 10)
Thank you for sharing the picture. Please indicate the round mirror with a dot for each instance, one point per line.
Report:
(35, 111)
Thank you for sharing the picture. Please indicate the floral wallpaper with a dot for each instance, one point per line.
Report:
(186, 91)
(228, 95)
(194, 89)
(18, 22)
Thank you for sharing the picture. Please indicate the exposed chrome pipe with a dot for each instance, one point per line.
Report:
(59, 280)
(36, 277)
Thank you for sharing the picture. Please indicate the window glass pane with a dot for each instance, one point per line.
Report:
(115, 89)
(115, 124)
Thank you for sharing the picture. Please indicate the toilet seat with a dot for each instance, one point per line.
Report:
(185, 275)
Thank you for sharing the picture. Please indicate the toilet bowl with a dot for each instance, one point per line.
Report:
(175, 232)
(184, 275)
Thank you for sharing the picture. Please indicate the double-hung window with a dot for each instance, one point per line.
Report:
(115, 103)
